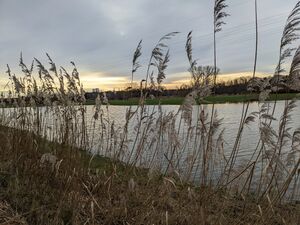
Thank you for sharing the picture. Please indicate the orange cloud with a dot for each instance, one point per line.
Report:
(103, 81)
(106, 82)
(176, 80)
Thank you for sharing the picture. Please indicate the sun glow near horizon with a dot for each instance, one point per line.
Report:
(109, 82)
(106, 82)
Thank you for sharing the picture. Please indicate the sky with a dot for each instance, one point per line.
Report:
(100, 36)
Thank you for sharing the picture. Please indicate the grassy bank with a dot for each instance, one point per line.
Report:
(218, 99)
(80, 189)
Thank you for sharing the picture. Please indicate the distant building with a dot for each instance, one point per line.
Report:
(95, 90)
(93, 94)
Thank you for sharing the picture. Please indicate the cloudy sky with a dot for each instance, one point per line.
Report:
(101, 35)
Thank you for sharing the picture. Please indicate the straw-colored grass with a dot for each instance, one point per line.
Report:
(107, 192)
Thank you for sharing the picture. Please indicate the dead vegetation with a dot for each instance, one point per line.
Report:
(105, 192)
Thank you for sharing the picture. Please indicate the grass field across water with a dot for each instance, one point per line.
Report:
(217, 99)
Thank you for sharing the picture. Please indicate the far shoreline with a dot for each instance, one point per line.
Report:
(217, 99)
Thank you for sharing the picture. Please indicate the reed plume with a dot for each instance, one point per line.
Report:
(290, 34)
(219, 14)
(135, 62)
(294, 74)
(158, 58)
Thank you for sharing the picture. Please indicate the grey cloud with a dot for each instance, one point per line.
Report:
(100, 35)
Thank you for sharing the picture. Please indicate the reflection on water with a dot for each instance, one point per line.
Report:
(231, 115)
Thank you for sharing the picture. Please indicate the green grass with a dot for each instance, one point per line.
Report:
(217, 99)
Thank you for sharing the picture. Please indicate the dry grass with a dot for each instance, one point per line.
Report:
(111, 193)
(9, 216)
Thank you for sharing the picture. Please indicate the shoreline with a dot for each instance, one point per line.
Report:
(218, 99)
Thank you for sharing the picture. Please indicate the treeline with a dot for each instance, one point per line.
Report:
(242, 85)
(231, 87)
